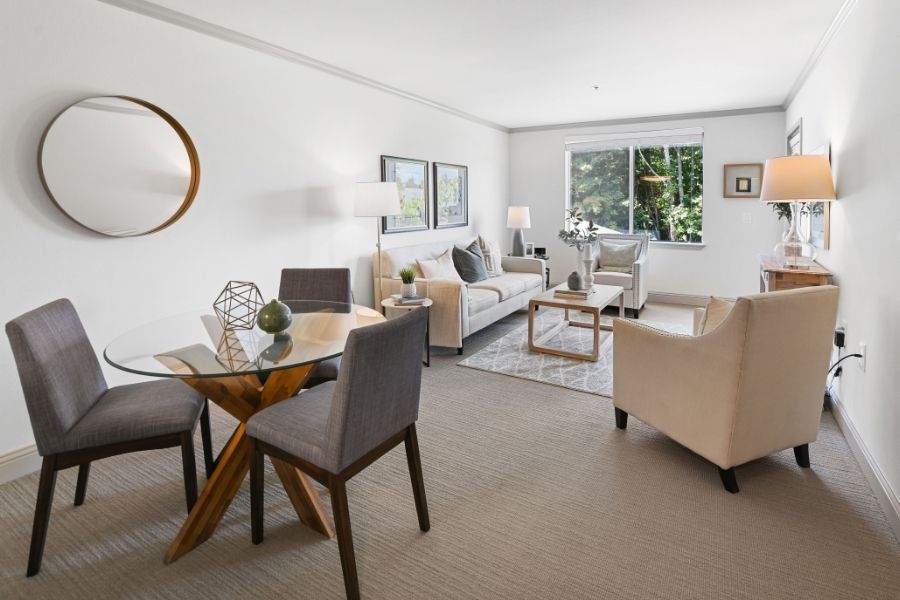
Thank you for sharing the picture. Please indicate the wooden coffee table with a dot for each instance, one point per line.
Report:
(602, 297)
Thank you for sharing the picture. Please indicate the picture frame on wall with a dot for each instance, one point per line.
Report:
(794, 141)
(451, 195)
(411, 176)
(742, 180)
(815, 217)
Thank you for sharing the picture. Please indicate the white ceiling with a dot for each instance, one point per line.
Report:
(533, 62)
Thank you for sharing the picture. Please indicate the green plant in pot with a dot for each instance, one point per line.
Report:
(274, 317)
(408, 277)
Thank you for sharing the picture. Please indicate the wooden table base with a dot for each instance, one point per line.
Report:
(243, 396)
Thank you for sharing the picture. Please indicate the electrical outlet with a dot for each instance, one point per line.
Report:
(746, 218)
(862, 360)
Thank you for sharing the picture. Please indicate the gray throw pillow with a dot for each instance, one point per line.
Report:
(469, 263)
(617, 257)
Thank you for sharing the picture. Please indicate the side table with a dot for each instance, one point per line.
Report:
(389, 304)
(774, 276)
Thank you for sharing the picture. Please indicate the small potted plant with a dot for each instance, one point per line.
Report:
(408, 276)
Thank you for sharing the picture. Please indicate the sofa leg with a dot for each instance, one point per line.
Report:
(621, 418)
(801, 453)
(729, 480)
(459, 351)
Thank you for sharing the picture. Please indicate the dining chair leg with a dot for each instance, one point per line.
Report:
(338, 489)
(415, 475)
(257, 492)
(206, 437)
(190, 468)
(84, 470)
(42, 514)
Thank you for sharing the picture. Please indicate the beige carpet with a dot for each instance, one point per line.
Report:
(533, 494)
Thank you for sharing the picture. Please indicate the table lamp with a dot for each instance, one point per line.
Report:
(518, 218)
(377, 199)
(796, 179)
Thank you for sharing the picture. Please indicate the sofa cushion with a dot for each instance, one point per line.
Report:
(617, 257)
(469, 263)
(614, 278)
(716, 311)
(509, 284)
(481, 300)
(439, 268)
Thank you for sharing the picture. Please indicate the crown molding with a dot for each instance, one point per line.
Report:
(839, 19)
(179, 19)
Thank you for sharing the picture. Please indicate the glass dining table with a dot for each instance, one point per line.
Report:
(243, 371)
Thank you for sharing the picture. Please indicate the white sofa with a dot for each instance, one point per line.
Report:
(635, 283)
(460, 309)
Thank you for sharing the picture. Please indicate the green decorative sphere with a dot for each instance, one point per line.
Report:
(274, 317)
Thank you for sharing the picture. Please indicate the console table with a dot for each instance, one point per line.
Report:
(773, 276)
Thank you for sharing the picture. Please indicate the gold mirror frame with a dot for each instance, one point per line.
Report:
(193, 157)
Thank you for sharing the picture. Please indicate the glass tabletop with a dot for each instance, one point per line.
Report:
(195, 345)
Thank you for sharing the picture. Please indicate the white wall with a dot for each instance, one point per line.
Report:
(727, 264)
(280, 145)
(851, 100)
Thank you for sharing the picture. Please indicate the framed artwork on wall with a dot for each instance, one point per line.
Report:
(815, 217)
(742, 180)
(451, 196)
(795, 139)
(411, 176)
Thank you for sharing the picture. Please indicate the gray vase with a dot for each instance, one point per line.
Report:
(576, 281)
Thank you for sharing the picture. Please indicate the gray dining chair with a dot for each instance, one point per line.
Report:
(77, 418)
(324, 285)
(339, 428)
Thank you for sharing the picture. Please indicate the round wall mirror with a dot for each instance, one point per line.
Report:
(119, 166)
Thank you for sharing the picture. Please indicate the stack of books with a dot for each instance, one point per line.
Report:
(412, 301)
(573, 294)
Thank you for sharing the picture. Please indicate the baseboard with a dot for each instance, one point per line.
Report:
(877, 481)
(19, 462)
(672, 298)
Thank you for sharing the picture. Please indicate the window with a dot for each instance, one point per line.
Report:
(651, 183)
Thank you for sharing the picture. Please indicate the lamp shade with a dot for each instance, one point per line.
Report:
(377, 199)
(518, 217)
(797, 179)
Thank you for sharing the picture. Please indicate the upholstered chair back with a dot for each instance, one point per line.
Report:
(377, 390)
(58, 369)
(329, 285)
(643, 243)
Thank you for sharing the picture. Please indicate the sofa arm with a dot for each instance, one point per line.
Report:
(451, 306)
(523, 264)
(655, 378)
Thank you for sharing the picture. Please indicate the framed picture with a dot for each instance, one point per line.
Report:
(743, 180)
(451, 196)
(795, 139)
(412, 177)
(529, 248)
(815, 217)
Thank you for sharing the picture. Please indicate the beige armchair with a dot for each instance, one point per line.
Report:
(748, 383)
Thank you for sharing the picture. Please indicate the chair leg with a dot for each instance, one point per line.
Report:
(42, 514)
(801, 453)
(415, 475)
(729, 480)
(621, 418)
(341, 510)
(206, 436)
(81, 485)
(257, 489)
(190, 469)
(459, 351)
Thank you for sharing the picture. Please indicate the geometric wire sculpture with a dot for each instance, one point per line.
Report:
(237, 305)
(234, 354)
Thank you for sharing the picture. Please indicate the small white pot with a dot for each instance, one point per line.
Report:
(408, 290)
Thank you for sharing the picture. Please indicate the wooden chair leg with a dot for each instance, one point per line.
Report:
(729, 480)
(206, 437)
(341, 510)
(257, 490)
(801, 453)
(415, 475)
(190, 469)
(42, 514)
(81, 485)
(621, 418)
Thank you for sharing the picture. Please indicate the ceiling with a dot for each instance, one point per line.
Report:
(520, 63)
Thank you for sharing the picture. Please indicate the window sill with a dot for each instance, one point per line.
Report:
(684, 245)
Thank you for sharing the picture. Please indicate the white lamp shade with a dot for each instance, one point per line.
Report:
(518, 217)
(377, 199)
(797, 179)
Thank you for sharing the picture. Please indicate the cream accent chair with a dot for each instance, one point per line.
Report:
(460, 309)
(750, 383)
(635, 283)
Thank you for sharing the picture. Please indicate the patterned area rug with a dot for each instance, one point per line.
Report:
(509, 355)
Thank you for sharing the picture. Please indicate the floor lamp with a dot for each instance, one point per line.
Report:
(377, 199)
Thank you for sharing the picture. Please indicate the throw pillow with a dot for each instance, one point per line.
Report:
(493, 260)
(469, 263)
(439, 268)
(617, 257)
(717, 310)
